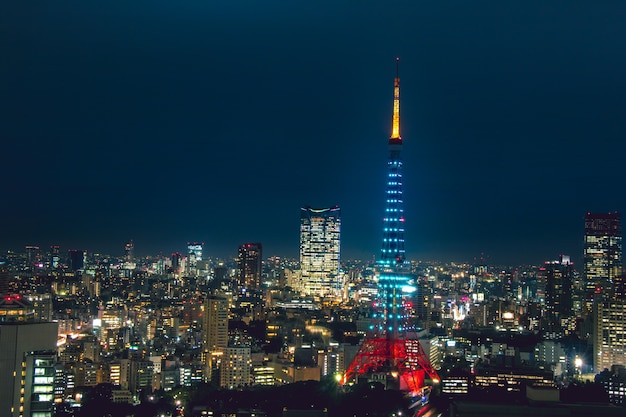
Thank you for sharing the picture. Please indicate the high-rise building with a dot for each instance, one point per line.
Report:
(609, 334)
(27, 360)
(215, 323)
(557, 276)
(129, 251)
(235, 369)
(320, 251)
(602, 256)
(77, 259)
(32, 255)
(178, 262)
(249, 266)
(194, 253)
(55, 257)
(5, 280)
(214, 331)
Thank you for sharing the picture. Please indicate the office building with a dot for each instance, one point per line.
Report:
(27, 360)
(614, 383)
(557, 276)
(129, 251)
(249, 266)
(77, 259)
(214, 332)
(178, 263)
(194, 253)
(55, 257)
(602, 256)
(32, 256)
(320, 252)
(609, 334)
(5, 280)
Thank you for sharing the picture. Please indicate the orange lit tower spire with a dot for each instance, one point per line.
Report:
(391, 346)
(395, 127)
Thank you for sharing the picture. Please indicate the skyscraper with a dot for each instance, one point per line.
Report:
(320, 251)
(215, 323)
(249, 266)
(5, 280)
(194, 253)
(558, 293)
(32, 255)
(602, 256)
(391, 346)
(609, 334)
(178, 262)
(129, 251)
(77, 259)
(214, 331)
(55, 257)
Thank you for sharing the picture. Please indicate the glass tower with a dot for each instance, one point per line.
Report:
(320, 251)
(602, 256)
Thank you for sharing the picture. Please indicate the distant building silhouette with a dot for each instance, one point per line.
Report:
(249, 266)
(129, 251)
(77, 259)
(558, 293)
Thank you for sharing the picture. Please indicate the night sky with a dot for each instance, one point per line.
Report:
(215, 121)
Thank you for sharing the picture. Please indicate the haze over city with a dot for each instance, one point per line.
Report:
(216, 121)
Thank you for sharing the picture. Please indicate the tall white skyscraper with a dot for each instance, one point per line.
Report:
(320, 252)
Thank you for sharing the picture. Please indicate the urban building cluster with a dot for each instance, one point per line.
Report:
(158, 323)
(72, 320)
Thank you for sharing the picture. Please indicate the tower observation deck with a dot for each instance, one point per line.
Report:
(391, 346)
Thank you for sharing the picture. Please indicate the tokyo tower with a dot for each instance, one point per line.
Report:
(391, 347)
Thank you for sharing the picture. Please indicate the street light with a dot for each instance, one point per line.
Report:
(578, 364)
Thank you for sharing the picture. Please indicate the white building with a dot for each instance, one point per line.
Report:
(235, 367)
(320, 252)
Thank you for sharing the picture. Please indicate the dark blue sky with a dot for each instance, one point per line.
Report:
(216, 121)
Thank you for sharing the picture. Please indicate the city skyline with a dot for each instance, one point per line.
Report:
(173, 123)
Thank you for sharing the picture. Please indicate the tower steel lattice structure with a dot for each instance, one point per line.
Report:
(391, 346)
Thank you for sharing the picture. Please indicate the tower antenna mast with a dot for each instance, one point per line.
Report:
(395, 128)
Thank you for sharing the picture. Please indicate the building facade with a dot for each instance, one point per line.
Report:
(27, 361)
(236, 367)
(557, 276)
(320, 231)
(250, 266)
(602, 256)
(214, 333)
(194, 255)
(609, 334)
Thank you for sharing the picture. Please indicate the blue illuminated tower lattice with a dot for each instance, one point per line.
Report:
(391, 346)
